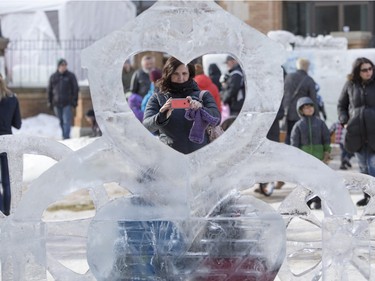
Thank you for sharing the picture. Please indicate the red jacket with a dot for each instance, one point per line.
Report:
(205, 84)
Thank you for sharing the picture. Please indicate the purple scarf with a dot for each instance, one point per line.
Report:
(201, 120)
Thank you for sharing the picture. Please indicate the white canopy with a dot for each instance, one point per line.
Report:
(42, 31)
(67, 19)
(16, 6)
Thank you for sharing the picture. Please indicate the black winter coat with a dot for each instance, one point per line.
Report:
(63, 89)
(356, 108)
(175, 130)
(234, 93)
(140, 83)
(9, 115)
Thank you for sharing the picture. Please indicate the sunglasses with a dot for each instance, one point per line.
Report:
(366, 69)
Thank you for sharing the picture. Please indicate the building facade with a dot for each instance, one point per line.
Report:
(351, 19)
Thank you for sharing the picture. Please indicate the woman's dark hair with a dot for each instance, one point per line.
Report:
(354, 76)
(164, 83)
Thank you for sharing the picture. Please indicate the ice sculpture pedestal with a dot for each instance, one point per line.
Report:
(236, 242)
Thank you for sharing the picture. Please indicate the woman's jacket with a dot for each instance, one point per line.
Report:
(174, 131)
(356, 109)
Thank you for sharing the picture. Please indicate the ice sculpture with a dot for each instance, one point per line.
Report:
(187, 215)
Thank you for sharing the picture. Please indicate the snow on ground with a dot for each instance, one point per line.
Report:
(47, 126)
(42, 125)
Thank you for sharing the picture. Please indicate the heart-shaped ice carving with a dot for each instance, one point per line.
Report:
(185, 39)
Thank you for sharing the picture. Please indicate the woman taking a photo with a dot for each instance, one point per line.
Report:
(356, 111)
(182, 128)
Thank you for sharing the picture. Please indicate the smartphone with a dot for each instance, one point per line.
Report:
(180, 103)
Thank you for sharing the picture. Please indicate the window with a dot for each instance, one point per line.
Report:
(295, 15)
(326, 19)
(355, 17)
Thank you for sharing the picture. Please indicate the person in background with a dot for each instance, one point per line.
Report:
(90, 118)
(311, 135)
(205, 83)
(9, 116)
(297, 84)
(214, 73)
(155, 75)
(182, 129)
(140, 82)
(63, 96)
(233, 91)
(339, 130)
(127, 73)
(356, 112)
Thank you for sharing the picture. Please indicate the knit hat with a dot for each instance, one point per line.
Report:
(155, 75)
(61, 62)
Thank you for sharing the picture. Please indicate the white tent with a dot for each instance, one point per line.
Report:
(41, 32)
(68, 18)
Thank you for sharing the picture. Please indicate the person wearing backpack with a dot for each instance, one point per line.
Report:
(233, 90)
(297, 85)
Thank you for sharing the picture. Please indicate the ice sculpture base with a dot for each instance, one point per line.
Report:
(237, 242)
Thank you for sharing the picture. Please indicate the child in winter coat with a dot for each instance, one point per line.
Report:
(311, 135)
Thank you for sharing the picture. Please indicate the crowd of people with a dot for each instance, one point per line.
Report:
(179, 102)
(302, 109)
(354, 130)
(151, 94)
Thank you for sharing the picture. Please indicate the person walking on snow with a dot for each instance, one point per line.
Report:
(63, 96)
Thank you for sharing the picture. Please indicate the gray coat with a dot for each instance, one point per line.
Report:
(307, 89)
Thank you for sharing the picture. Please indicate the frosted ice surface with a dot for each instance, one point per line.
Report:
(346, 244)
(185, 215)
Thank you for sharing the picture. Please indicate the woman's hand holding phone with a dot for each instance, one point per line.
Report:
(167, 107)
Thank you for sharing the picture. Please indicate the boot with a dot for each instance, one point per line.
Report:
(347, 163)
(364, 201)
(315, 203)
(342, 166)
